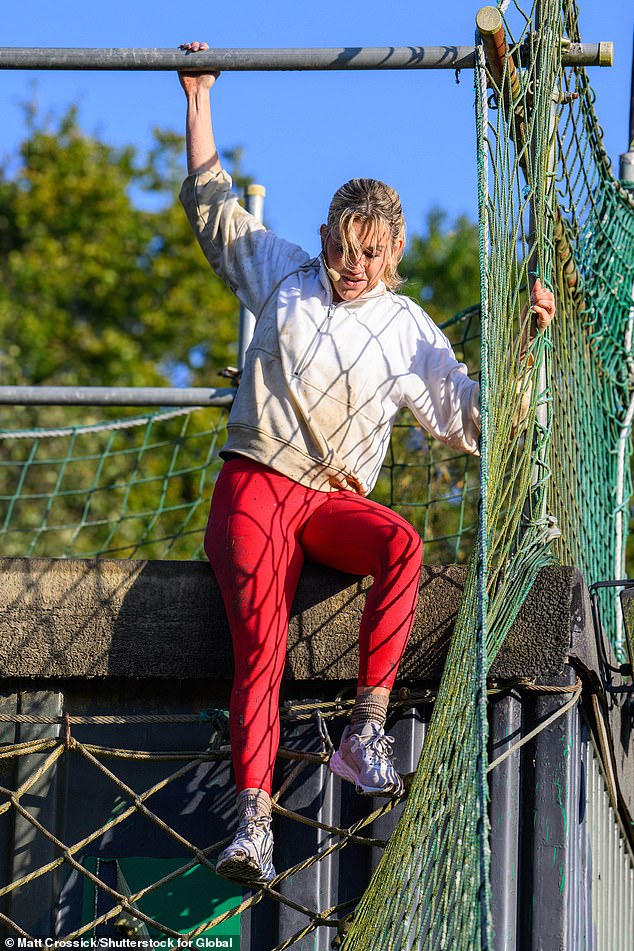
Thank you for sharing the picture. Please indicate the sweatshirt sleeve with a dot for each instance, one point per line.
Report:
(439, 391)
(250, 259)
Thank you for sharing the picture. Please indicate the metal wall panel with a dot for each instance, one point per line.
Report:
(561, 868)
(611, 878)
(505, 791)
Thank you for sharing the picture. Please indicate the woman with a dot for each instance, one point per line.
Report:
(335, 354)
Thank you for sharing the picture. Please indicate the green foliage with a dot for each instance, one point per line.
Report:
(94, 287)
(102, 283)
(441, 266)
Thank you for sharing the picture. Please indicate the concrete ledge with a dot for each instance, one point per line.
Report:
(153, 619)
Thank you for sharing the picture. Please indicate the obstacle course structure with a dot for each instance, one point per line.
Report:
(552, 490)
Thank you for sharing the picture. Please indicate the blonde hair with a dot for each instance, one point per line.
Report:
(367, 200)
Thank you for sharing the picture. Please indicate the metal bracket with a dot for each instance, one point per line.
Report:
(231, 373)
(606, 669)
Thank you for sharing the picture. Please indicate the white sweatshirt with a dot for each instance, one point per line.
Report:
(323, 381)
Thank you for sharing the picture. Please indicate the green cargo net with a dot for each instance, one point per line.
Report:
(140, 486)
(555, 486)
(136, 486)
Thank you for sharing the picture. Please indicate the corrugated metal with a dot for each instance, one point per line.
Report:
(577, 875)
(611, 878)
(562, 872)
(561, 868)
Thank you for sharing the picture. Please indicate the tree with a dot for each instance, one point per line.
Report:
(442, 265)
(94, 288)
(102, 283)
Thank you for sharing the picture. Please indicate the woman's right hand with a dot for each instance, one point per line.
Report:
(193, 82)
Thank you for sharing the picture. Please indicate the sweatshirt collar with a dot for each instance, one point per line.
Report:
(377, 291)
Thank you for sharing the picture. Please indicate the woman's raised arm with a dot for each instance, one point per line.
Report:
(202, 154)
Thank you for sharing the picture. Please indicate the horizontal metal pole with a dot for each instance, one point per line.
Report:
(114, 396)
(389, 57)
(351, 57)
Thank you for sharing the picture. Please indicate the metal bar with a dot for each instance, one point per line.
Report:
(626, 168)
(316, 796)
(114, 396)
(577, 869)
(543, 405)
(632, 99)
(254, 204)
(388, 57)
(623, 465)
(409, 735)
(351, 57)
(551, 829)
(588, 54)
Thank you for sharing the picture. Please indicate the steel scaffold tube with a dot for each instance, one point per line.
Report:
(352, 57)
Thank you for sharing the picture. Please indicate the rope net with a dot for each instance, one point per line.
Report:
(148, 794)
(553, 486)
(140, 486)
(554, 469)
(137, 486)
(138, 864)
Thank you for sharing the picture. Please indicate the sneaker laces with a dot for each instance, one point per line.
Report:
(250, 827)
(379, 746)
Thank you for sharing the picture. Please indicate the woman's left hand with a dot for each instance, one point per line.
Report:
(542, 305)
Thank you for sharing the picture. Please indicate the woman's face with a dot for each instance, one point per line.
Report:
(364, 273)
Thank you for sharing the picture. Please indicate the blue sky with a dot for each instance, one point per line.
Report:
(303, 133)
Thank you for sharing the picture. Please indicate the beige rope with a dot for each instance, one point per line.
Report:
(576, 696)
(55, 747)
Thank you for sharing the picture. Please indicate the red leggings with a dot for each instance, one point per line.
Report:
(262, 526)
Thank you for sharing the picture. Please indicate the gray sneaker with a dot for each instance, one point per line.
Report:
(365, 759)
(249, 858)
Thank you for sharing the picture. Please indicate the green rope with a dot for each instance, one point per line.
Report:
(547, 172)
(117, 488)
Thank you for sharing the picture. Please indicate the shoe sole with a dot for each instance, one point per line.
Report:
(244, 873)
(340, 768)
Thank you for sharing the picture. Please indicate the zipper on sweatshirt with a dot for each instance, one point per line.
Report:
(313, 344)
